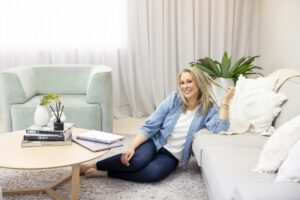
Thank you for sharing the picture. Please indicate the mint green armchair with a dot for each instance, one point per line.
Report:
(86, 92)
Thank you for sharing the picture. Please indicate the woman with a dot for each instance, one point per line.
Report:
(166, 137)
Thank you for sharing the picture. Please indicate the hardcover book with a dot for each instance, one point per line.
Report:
(48, 129)
(99, 136)
(96, 146)
(28, 143)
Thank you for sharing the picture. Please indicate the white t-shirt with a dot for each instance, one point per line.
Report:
(176, 140)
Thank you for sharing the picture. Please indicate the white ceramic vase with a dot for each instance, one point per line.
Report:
(220, 92)
(41, 116)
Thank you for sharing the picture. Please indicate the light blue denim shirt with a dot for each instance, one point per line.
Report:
(162, 121)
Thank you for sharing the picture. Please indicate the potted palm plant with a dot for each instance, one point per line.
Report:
(225, 72)
(225, 69)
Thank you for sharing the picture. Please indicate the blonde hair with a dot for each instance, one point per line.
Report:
(203, 81)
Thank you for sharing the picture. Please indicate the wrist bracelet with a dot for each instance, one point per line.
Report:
(224, 106)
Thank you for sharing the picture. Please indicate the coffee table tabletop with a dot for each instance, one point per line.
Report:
(14, 156)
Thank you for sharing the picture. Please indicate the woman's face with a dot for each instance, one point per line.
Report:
(188, 86)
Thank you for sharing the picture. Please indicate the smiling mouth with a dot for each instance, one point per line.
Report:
(187, 91)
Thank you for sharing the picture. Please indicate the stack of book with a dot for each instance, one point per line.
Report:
(45, 136)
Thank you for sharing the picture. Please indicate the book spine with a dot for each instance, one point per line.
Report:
(43, 132)
(26, 143)
(43, 137)
(29, 131)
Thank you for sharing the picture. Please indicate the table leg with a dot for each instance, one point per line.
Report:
(51, 189)
(75, 181)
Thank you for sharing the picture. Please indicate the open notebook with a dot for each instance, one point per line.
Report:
(96, 146)
(99, 136)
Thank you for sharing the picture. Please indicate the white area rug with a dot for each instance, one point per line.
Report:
(181, 184)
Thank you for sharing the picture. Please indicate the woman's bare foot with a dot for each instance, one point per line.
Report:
(84, 168)
(93, 172)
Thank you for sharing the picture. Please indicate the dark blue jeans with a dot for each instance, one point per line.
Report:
(146, 165)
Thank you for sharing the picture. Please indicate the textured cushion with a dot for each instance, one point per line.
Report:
(228, 166)
(256, 103)
(290, 168)
(76, 109)
(291, 107)
(267, 191)
(203, 140)
(278, 146)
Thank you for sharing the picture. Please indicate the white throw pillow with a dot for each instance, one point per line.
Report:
(290, 168)
(278, 146)
(255, 103)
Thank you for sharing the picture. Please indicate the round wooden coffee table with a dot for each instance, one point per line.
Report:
(13, 156)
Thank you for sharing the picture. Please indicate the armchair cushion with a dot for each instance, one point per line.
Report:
(77, 111)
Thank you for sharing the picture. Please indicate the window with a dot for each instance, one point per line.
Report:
(62, 24)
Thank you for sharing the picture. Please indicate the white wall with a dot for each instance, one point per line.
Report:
(279, 34)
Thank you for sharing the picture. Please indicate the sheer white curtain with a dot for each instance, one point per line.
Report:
(146, 42)
(62, 25)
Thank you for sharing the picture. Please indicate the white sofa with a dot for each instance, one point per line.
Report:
(227, 162)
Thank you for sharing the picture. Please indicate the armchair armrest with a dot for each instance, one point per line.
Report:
(17, 86)
(99, 91)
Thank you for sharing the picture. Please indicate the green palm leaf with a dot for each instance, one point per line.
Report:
(205, 62)
(211, 73)
(242, 69)
(250, 60)
(214, 66)
(238, 63)
(225, 65)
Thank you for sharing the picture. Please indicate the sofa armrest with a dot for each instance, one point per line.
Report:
(99, 91)
(266, 191)
(17, 86)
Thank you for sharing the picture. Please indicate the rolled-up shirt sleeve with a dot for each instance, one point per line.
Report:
(154, 122)
(214, 123)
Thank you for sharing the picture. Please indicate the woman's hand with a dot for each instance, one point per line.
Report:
(127, 155)
(224, 107)
(229, 94)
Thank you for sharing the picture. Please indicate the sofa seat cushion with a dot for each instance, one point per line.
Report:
(76, 109)
(226, 167)
(267, 191)
(204, 140)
